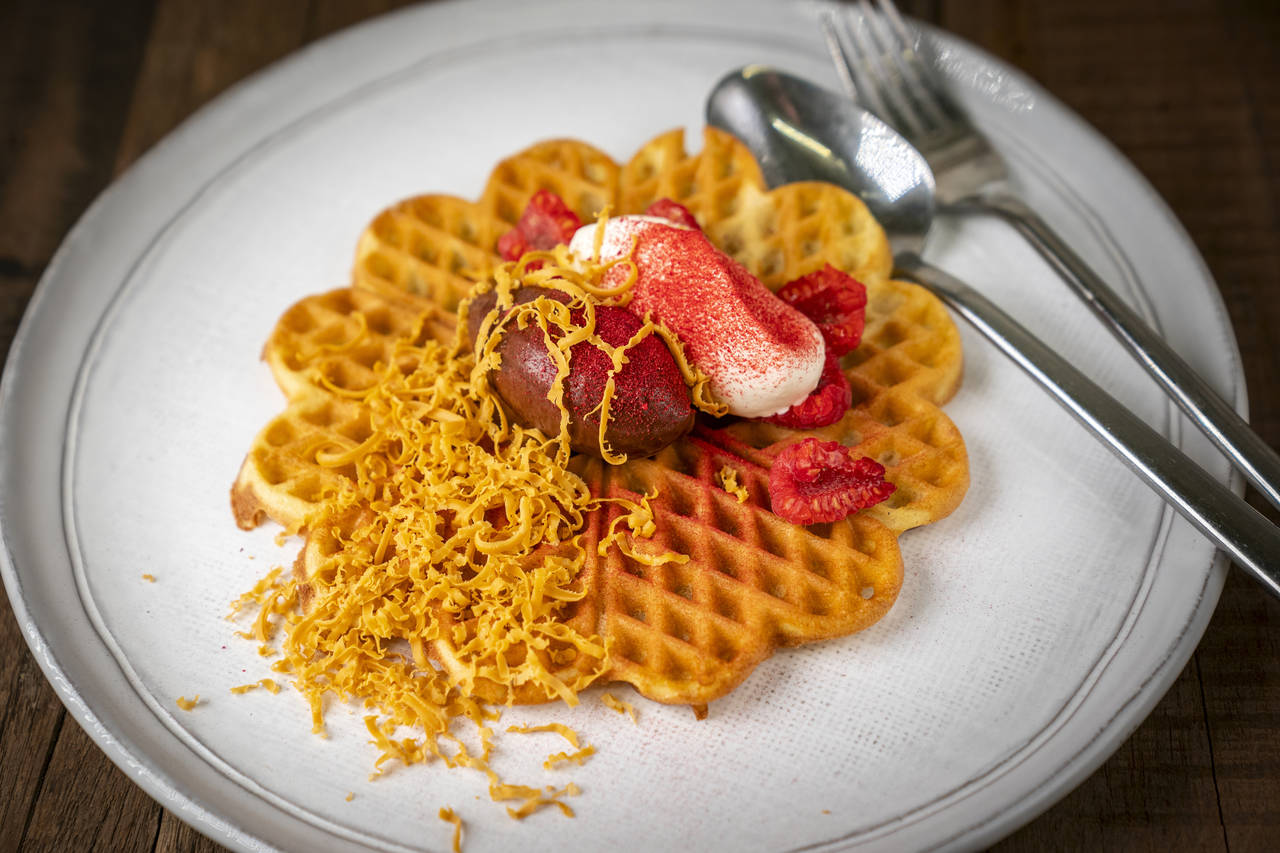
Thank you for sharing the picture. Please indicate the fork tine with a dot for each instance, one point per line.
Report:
(875, 79)
(881, 51)
(895, 47)
(839, 57)
(851, 70)
(932, 90)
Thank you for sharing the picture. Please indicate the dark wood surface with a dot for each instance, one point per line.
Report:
(1190, 91)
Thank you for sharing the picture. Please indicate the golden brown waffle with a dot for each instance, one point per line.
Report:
(780, 234)
(689, 632)
(279, 478)
(910, 359)
(437, 245)
(322, 346)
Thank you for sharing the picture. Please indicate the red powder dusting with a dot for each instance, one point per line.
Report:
(733, 327)
(826, 405)
(650, 405)
(649, 391)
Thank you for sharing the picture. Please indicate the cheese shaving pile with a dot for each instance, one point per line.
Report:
(439, 580)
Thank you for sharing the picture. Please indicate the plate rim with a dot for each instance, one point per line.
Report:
(161, 788)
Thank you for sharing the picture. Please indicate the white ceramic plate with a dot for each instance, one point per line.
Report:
(1037, 625)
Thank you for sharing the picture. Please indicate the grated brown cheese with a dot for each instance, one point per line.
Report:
(266, 683)
(448, 815)
(559, 728)
(728, 478)
(618, 705)
(566, 757)
(440, 578)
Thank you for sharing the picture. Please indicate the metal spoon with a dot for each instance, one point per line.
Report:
(799, 131)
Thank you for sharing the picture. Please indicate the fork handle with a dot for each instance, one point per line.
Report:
(1207, 410)
(1234, 526)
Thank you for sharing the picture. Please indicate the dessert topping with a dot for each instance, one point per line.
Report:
(621, 388)
(826, 405)
(814, 481)
(615, 238)
(835, 301)
(761, 355)
(673, 211)
(546, 222)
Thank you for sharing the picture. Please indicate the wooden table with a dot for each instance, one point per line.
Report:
(1190, 91)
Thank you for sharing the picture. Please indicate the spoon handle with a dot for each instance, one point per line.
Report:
(1234, 526)
(1208, 411)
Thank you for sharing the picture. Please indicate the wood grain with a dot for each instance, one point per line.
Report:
(1189, 91)
(196, 50)
(66, 73)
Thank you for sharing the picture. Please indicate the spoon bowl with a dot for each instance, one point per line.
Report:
(798, 131)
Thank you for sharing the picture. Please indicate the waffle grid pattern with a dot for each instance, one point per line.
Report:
(436, 246)
(753, 581)
(779, 235)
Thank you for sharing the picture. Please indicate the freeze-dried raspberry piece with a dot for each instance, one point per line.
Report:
(673, 211)
(815, 481)
(512, 245)
(546, 223)
(826, 404)
(835, 301)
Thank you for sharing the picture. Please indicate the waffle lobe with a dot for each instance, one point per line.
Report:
(679, 633)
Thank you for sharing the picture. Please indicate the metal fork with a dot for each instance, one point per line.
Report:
(879, 59)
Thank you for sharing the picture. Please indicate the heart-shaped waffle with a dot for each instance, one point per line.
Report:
(683, 632)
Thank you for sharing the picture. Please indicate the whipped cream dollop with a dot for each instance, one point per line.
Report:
(761, 355)
(618, 234)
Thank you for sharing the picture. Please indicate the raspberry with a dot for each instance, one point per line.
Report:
(673, 211)
(512, 245)
(546, 222)
(835, 301)
(815, 481)
(826, 404)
